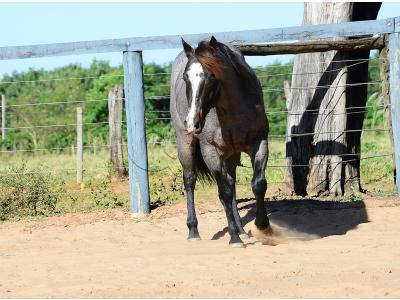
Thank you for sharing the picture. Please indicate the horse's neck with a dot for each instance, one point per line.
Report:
(231, 96)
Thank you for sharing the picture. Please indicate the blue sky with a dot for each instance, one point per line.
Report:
(38, 23)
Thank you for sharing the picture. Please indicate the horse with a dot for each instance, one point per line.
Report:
(217, 111)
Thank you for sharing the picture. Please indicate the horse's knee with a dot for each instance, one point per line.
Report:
(225, 193)
(259, 186)
(189, 180)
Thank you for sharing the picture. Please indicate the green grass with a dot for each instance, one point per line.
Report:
(100, 188)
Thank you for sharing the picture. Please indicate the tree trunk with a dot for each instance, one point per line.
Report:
(322, 156)
(115, 96)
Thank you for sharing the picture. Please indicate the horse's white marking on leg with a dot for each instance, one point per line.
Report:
(194, 73)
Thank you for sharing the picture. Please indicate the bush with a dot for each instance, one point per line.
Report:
(28, 193)
(103, 197)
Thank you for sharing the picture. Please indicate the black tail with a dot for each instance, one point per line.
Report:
(203, 173)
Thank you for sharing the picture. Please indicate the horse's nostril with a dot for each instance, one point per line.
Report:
(185, 123)
(197, 125)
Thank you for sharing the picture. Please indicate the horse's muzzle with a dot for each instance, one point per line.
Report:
(194, 125)
(193, 128)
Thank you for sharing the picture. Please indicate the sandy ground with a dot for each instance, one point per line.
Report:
(328, 250)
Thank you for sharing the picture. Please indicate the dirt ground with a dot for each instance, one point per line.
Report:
(326, 249)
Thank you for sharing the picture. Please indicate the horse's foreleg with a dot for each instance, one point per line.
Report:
(226, 188)
(189, 181)
(186, 154)
(259, 157)
(231, 165)
(226, 192)
(236, 216)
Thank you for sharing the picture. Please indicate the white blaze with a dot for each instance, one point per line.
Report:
(194, 73)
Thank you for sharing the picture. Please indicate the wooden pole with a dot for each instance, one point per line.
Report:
(313, 46)
(3, 117)
(394, 58)
(137, 146)
(115, 106)
(79, 145)
(384, 75)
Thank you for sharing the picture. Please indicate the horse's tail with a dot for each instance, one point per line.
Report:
(203, 172)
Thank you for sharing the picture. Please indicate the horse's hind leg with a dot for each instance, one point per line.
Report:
(186, 154)
(259, 157)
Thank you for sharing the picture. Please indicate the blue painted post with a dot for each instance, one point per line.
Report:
(394, 57)
(135, 119)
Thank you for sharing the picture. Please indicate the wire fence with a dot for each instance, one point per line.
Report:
(19, 124)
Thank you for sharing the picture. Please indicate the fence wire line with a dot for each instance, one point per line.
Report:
(270, 135)
(169, 73)
(56, 125)
(75, 193)
(154, 170)
(316, 111)
(307, 73)
(55, 103)
(322, 132)
(322, 86)
(347, 179)
(266, 88)
(290, 114)
(149, 143)
(75, 78)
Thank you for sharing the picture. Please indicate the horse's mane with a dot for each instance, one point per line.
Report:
(216, 60)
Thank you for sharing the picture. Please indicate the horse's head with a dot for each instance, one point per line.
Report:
(201, 89)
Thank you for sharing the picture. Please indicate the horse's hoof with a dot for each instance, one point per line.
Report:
(193, 239)
(236, 245)
(244, 236)
(267, 236)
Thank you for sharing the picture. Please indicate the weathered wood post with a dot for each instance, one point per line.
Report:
(137, 146)
(384, 75)
(79, 145)
(115, 107)
(3, 117)
(394, 57)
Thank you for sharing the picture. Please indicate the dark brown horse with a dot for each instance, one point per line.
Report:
(217, 110)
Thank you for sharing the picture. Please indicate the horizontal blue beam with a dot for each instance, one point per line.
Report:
(307, 32)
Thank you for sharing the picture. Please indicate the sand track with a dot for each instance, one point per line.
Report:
(331, 250)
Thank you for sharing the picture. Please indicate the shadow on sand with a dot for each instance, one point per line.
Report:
(306, 219)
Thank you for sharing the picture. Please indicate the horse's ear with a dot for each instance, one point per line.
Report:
(214, 42)
(187, 48)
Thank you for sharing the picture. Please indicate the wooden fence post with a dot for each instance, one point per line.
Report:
(137, 146)
(79, 145)
(115, 106)
(384, 75)
(394, 57)
(3, 117)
